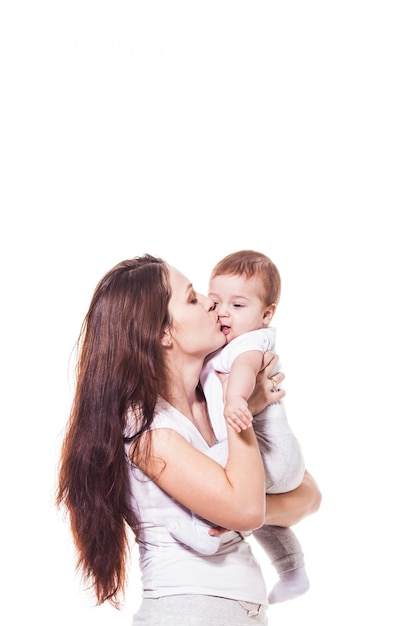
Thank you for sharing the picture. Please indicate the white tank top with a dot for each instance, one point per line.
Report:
(170, 568)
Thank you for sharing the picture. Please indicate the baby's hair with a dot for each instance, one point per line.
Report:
(252, 264)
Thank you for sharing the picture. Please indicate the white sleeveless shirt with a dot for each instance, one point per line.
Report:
(170, 568)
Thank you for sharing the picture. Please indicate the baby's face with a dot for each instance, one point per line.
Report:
(238, 304)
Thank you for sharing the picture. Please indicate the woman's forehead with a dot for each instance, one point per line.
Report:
(179, 282)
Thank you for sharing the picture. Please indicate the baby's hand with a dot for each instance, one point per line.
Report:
(237, 414)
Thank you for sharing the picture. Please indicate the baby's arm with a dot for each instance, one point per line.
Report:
(241, 383)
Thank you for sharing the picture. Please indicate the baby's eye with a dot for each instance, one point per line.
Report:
(237, 305)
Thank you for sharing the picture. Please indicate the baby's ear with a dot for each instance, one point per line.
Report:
(269, 313)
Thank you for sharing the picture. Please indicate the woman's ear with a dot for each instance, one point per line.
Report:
(269, 313)
(166, 339)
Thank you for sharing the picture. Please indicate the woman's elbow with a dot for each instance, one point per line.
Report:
(313, 494)
(317, 498)
(250, 519)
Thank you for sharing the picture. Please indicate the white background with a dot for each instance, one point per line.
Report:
(190, 129)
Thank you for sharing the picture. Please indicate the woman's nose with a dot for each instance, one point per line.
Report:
(210, 303)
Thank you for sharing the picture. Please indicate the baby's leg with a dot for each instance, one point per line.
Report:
(194, 533)
(280, 450)
(284, 550)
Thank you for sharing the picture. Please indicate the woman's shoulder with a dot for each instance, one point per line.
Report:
(165, 416)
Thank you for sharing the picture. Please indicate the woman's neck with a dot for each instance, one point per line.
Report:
(186, 396)
(182, 386)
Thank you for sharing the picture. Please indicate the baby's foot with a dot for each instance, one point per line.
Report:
(194, 535)
(289, 586)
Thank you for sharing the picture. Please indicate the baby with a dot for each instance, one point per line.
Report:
(245, 287)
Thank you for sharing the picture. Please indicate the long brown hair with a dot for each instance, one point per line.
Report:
(120, 367)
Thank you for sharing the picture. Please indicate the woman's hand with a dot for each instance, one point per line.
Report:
(267, 390)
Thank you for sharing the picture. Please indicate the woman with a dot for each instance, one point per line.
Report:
(140, 449)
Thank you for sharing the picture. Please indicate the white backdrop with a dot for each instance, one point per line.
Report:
(189, 130)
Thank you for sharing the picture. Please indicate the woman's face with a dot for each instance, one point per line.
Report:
(195, 328)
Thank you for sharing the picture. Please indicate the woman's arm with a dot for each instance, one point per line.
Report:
(287, 509)
(231, 497)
